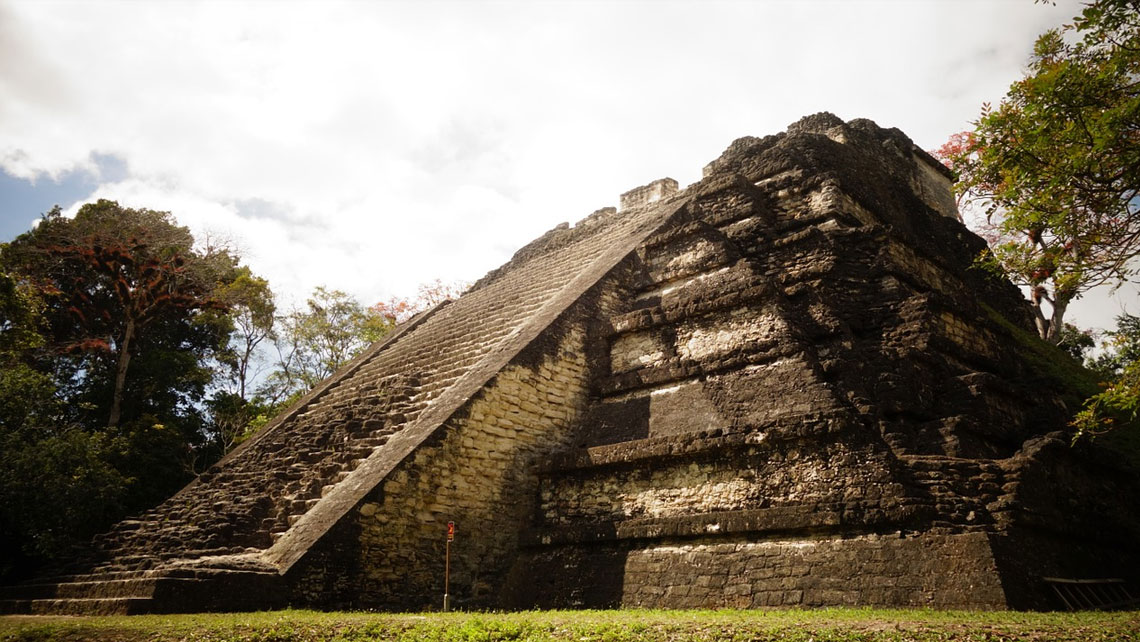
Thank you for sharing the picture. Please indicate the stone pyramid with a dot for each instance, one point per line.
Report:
(782, 385)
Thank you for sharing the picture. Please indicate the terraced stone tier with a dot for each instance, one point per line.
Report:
(806, 372)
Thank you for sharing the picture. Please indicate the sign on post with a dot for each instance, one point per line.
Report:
(447, 566)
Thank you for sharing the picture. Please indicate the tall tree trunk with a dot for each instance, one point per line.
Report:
(1043, 325)
(121, 373)
(1057, 323)
(1036, 298)
(1049, 327)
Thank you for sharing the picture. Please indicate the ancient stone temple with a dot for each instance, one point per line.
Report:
(782, 385)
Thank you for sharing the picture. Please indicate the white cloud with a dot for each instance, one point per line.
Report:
(371, 146)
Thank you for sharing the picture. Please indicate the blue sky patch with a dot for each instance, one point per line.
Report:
(23, 201)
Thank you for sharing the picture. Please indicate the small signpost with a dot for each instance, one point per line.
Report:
(447, 565)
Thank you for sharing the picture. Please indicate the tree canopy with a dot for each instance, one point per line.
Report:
(130, 307)
(132, 357)
(1119, 403)
(110, 323)
(1057, 164)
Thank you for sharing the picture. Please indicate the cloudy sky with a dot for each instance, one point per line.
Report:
(372, 146)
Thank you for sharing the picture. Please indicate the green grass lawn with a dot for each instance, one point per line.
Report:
(827, 625)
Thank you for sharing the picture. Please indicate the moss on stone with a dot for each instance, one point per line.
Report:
(1074, 382)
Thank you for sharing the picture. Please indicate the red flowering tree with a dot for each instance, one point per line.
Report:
(430, 294)
(112, 325)
(122, 285)
(1055, 167)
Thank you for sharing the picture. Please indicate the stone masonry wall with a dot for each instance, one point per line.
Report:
(814, 474)
(805, 404)
(480, 474)
(927, 570)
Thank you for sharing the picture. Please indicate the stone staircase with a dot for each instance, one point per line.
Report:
(147, 591)
(189, 552)
(245, 505)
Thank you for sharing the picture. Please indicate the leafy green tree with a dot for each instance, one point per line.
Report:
(1076, 342)
(234, 412)
(27, 395)
(57, 489)
(1123, 347)
(111, 327)
(252, 310)
(315, 341)
(130, 307)
(57, 485)
(1057, 164)
(1119, 404)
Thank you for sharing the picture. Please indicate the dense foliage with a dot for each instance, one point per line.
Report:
(1057, 164)
(1119, 403)
(131, 358)
(110, 327)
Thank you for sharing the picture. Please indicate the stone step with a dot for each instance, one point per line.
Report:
(77, 606)
(101, 588)
(598, 459)
(94, 576)
(183, 589)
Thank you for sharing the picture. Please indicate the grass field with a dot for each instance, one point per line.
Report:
(828, 625)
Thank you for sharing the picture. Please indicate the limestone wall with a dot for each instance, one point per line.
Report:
(809, 474)
(646, 194)
(480, 472)
(936, 571)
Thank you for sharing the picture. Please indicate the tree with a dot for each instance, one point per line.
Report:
(27, 395)
(57, 485)
(57, 489)
(119, 285)
(1119, 404)
(1057, 164)
(428, 295)
(252, 308)
(315, 341)
(1076, 342)
(111, 325)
